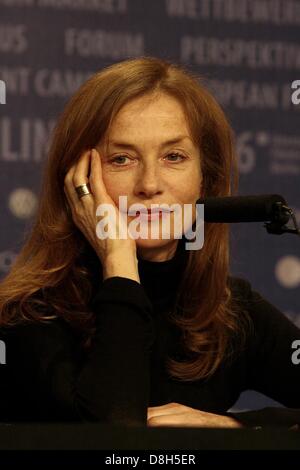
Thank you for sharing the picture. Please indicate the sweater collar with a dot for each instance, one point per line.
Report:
(160, 279)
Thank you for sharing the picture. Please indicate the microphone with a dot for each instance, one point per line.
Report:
(259, 208)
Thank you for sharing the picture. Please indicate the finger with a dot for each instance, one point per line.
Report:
(81, 174)
(96, 178)
(70, 184)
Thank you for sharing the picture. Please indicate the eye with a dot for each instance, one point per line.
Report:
(119, 157)
(176, 154)
(120, 160)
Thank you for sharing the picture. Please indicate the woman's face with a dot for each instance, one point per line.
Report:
(141, 163)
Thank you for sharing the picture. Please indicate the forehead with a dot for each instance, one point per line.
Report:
(160, 112)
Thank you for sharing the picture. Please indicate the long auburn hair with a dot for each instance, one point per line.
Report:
(50, 277)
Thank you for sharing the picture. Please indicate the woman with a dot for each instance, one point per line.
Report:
(137, 331)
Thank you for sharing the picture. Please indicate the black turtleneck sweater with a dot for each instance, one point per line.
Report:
(48, 378)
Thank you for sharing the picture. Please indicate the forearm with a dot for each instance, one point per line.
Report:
(115, 381)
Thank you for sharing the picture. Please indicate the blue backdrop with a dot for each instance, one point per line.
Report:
(247, 50)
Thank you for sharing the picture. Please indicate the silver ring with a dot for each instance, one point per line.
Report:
(83, 190)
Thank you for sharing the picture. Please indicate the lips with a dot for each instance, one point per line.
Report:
(154, 214)
(151, 215)
(154, 211)
(149, 212)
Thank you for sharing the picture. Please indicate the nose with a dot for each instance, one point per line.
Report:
(148, 183)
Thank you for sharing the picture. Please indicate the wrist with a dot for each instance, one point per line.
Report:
(121, 266)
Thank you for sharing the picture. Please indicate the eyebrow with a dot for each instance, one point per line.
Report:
(123, 145)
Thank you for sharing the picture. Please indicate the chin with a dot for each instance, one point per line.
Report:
(155, 243)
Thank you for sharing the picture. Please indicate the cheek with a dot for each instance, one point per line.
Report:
(116, 185)
(189, 188)
(196, 182)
